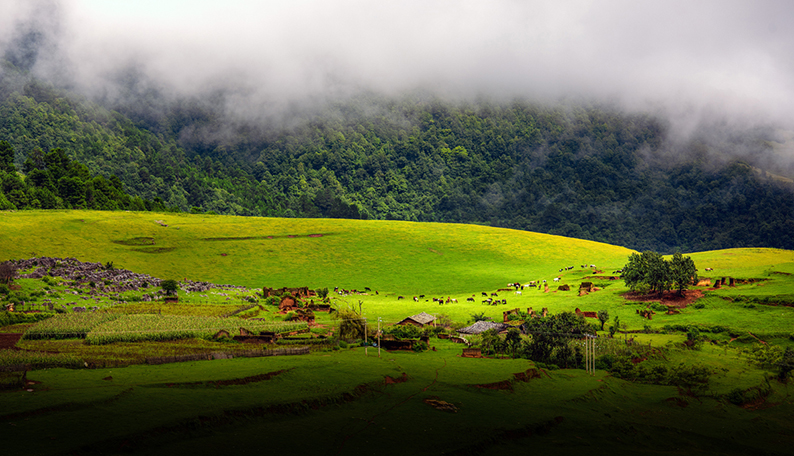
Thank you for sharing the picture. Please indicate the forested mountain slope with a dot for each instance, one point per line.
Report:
(583, 171)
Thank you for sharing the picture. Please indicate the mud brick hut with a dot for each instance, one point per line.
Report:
(418, 320)
(288, 303)
(300, 292)
(586, 313)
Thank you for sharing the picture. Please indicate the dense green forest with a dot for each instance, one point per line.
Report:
(55, 181)
(584, 171)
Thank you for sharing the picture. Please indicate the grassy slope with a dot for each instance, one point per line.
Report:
(144, 409)
(137, 411)
(393, 256)
(397, 258)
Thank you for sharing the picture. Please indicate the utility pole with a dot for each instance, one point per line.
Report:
(378, 337)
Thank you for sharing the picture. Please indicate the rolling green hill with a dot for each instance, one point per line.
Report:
(403, 257)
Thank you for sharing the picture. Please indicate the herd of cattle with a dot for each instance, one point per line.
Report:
(516, 287)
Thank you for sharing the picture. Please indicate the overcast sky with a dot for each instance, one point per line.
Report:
(689, 56)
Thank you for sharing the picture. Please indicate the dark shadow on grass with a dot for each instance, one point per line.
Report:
(280, 236)
(136, 241)
(155, 249)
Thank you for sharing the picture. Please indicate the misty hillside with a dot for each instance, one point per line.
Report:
(583, 171)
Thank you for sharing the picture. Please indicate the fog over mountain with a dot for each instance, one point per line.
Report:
(726, 61)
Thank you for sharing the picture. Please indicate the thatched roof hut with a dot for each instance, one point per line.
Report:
(482, 326)
(418, 320)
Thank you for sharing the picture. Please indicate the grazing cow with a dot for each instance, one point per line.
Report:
(518, 293)
(485, 294)
(421, 296)
(416, 299)
(452, 301)
(367, 289)
(709, 269)
(400, 297)
(470, 299)
(494, 294)
(556, 279)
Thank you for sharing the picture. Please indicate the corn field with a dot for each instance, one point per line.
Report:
(68, 326)
(140, 328)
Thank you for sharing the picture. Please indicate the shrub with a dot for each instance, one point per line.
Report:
(786, 364)
(605, 362)
(658, 307)
(403, 331)
(739, 396)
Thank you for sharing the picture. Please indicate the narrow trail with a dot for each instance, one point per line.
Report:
(371, 420)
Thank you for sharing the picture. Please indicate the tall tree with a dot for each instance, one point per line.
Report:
(683, 272)
(6, 157)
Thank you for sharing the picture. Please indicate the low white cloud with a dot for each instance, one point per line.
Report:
(730, 57)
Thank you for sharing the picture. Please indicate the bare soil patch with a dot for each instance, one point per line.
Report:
(9, 340)
(389, 380)
(668, 298)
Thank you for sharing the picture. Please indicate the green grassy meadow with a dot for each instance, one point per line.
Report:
(390, 256)
(344, 401)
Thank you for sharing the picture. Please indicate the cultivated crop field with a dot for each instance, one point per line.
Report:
(352, 399)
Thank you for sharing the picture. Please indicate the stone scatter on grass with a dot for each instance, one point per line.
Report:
(109, 279)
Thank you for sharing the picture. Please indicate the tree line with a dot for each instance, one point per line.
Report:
(584, 171)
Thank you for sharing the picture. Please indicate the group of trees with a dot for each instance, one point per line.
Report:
(549, 340)
(650, 272)
(590, 172)
(53, 180)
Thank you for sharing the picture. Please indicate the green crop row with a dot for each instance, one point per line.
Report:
(38, 359)
(139, 328)
(68, 326)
